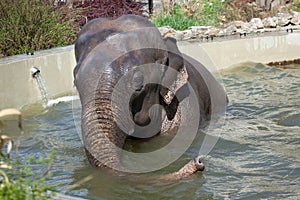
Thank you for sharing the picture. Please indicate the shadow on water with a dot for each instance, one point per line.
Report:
(257, 155)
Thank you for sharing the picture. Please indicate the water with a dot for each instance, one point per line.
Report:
(256, 157)
(46, 100)
(42, 89)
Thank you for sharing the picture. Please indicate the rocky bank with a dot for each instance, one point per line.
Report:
(280, 22)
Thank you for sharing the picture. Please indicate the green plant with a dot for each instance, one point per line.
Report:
(178, 22)
(18, 181)
(191, 13)
(297, 5)
(211, 12)
(34, 25)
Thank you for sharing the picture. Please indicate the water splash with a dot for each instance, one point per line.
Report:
(46, 100)
(53, 102)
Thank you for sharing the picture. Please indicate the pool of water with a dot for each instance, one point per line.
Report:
(257, 154)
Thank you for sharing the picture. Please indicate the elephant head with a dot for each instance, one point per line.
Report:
(121, 67)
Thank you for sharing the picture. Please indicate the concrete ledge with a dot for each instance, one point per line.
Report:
(18, 88)
(227, 53)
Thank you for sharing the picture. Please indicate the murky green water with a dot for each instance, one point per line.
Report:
(257, 155)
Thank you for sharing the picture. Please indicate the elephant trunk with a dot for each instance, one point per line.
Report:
(190, 168)
(187, 170)
(103, 140)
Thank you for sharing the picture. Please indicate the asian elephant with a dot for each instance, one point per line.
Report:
(132, 82)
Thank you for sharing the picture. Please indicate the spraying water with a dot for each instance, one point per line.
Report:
(46, 100)
(41, 85)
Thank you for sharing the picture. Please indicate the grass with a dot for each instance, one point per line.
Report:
(297, 5)
(178, 22)
(190, 13)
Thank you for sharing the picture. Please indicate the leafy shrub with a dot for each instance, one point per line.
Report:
(91, 9)
(21, 183)
(34, 25)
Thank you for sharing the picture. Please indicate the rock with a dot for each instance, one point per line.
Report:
(256, 22)
(229, 29)
(281, 22)
(238, 24)
(221, 33)
(167, 31)
(187, 34)
(179, 35)
(269, 22)
(296, 18)
(199, 30)
(284, 19)
(212, 32)
(246, 27)
(275, 19)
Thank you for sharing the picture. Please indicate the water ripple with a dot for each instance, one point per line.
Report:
(256, 157)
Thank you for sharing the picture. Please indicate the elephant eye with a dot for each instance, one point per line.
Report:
(137, 80)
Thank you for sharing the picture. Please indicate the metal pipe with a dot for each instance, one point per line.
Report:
(35, 71)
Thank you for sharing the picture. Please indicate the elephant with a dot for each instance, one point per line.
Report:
(132, 83)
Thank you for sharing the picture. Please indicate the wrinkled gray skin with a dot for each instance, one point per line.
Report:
(105, 51)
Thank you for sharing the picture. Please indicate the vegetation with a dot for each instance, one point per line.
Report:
(17, 181)
(91, 9)
(33, 25)
(297, 5)
(189, 13)
(28, 25)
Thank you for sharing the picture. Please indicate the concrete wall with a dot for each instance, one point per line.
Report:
(18, 88)
(221, 55)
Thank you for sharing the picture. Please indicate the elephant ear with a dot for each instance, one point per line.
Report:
(176, 75)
